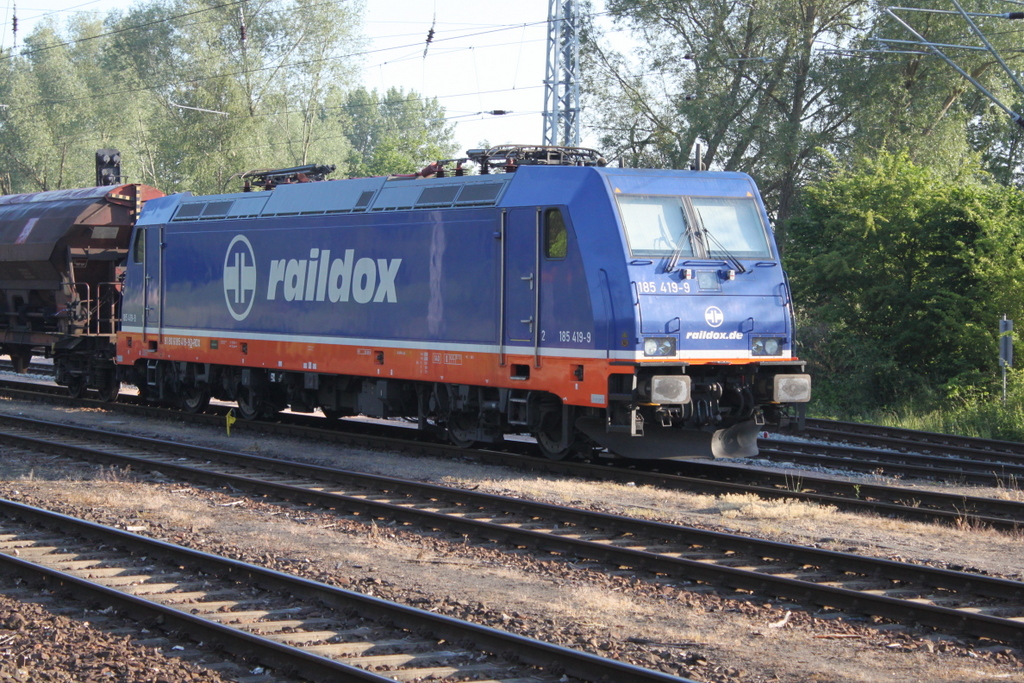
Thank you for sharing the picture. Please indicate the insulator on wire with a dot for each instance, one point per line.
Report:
(430, 37)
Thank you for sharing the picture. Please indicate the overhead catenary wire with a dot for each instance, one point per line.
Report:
(156, 22)
(170, 88)
(194, 81)
(496, 112)
(935, 48)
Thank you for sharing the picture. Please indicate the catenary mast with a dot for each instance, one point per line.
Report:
(561, 79)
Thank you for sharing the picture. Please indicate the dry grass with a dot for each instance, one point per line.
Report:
(595, 607)
(744, 642)
(1009, 490)
(719, 635)
(648, 502)
(749, 506)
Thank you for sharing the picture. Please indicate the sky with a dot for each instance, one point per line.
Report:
(484, 56)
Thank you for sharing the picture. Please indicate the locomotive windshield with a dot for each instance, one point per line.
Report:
(735, 224)
(656, 225)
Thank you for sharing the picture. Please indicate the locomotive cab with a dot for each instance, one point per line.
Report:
(712, 317)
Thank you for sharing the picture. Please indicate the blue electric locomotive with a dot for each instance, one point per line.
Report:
(644, 311)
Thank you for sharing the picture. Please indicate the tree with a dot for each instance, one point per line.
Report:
(51, 125)
(777, 88)
(913, 101)
(747, 80)
(398, 132)
(275, 87)
(178, 90)
(902, 275)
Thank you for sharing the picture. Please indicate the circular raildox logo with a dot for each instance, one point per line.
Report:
(713, 316)
(239, 277)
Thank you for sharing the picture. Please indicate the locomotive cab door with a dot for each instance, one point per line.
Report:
(522, 279)
(152, 274)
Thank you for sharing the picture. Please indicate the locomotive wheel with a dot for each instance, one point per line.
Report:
(248, 404)
(76, 386)
(195, 399)
(549, 439)
(462, 429)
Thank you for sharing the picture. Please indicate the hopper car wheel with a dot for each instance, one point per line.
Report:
(195, 399)
(76, 386)
(462, 429)
(248, 404)
(20, 361)
(110, 393)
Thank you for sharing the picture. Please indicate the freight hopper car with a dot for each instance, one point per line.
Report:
(639, 310)
(60, 258)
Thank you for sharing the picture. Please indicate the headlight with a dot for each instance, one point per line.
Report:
(766, 346)
(792, 388)
(667, 389)
(660, 346)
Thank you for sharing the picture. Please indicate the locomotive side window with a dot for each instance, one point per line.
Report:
(556, 237)
(655, 225)
(139, 252)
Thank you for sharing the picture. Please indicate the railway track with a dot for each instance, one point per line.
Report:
(34, 368)
(292, 625)
(946, 600)
(876, 449)
(941, 457)
(909, 440)
(994, 471)
(706, 477)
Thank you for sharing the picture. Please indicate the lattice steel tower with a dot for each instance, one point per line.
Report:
(561, 78)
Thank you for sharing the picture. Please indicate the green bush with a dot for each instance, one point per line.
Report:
(968, 411)
(901, 275)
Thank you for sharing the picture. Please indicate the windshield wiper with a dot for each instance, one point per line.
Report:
(691, 237)
(732, 259)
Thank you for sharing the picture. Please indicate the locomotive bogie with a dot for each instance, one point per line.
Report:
(465, 414)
